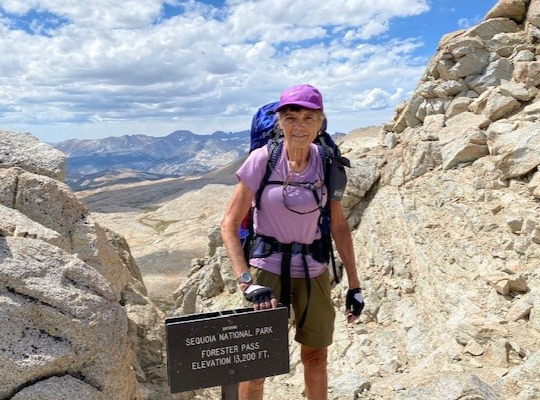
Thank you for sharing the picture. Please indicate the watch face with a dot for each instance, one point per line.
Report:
(245, 277)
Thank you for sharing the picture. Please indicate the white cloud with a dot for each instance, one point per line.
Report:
(316, 13)
(465, 23)
(377, 99)
(283, 15)
(372, 28)
(97, 14)
(124, 63)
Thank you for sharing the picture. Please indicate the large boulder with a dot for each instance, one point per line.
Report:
(470, 64)
(513, 9)
(463, 45)
(60, 316)
(462, 146)
(516, 90)
(499, 106)
(533, 13)
(489, 28)
(362, 175)
(527, 73)
(458, 106)
(53, 205)
(26, 151)
(523, 154)
(14, 223)
(407, 118)
(504, 44)
(54, 388)
(493, 75)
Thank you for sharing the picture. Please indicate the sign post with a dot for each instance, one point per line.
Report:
(227, 347)
(229, 392)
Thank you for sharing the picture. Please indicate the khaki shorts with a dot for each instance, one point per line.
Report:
(318, 327)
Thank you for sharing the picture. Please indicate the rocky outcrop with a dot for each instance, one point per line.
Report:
(60, 317)
(51, 204)
(76, 322)
(446, 231)
(25, 151)
(474, 76)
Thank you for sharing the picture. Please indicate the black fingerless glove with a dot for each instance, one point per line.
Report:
(354, 301)
(258, 294)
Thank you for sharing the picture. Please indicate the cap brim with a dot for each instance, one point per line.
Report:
(305, 104)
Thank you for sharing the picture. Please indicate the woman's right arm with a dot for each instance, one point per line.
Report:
(236, 211)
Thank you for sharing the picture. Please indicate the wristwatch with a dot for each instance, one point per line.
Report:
(245, 277)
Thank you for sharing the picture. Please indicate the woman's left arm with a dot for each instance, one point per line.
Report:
(341, 233)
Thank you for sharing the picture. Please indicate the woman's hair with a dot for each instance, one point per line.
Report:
(296, 108)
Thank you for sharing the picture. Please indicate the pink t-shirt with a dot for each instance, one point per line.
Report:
(273, 219)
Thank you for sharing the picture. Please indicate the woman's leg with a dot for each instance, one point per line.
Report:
(315, 376)
(251, 390)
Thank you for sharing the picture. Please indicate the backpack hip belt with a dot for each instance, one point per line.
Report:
(263, 246)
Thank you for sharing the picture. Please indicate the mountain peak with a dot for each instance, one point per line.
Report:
(180, 134)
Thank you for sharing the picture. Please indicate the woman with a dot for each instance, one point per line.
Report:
(289, 213)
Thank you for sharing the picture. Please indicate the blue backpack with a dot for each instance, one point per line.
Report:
(263, 126)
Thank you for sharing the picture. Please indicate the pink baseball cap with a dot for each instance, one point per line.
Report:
(301, 95)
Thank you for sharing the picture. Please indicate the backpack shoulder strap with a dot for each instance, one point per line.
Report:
(328, 154)
(275, 147)
(325, 158)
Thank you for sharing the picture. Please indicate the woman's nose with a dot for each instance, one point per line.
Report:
(300, 123)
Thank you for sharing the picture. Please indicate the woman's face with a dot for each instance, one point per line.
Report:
(300, 127)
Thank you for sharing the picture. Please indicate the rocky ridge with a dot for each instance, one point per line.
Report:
(76, 320)
(446, 228)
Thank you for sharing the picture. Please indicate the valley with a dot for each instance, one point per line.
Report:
(165, 222)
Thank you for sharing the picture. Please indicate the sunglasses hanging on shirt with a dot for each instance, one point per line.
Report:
(312, 186)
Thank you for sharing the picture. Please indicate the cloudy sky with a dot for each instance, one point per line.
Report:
(96, 68)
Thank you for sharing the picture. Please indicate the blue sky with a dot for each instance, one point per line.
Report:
(96, 68)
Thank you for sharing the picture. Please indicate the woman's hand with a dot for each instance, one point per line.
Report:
(262, 297)
(354, 304)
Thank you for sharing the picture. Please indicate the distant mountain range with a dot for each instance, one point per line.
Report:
(177, 154)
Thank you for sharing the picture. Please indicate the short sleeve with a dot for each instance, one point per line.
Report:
(253, 169)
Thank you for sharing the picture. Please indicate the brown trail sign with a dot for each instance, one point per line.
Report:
(227, 347)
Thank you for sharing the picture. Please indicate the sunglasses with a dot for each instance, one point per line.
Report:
(311, 186)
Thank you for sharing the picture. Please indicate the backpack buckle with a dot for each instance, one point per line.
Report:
(299, 248)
